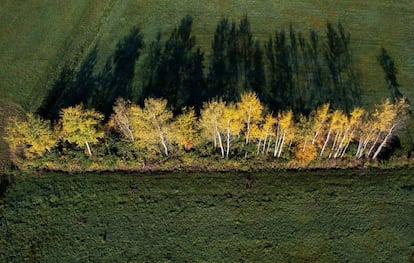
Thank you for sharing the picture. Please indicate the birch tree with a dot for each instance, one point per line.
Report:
(185, 129)
(121, 119)
(155, 119)
(230, 124)
(285, 132)
(251, 111)
(211, 115)
(393, 120)
(320, 119)
(81, 126)
(33, 135)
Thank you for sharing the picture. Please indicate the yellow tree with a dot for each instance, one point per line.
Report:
(353, 127)
(392, 121)
(381, 119)
(185, 129)
(211, 115)
(320, 118)
(230, 124)
(339, 122)
(251, 111)
(121, 119)
(81, 126)
(33, 135)
(155, 119)
(285, 132)
(265, 131)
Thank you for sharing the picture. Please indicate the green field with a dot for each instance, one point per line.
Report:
(38, 37)
(320, 216)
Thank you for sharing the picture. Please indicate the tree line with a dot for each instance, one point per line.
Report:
(243, 129)
(290, 70)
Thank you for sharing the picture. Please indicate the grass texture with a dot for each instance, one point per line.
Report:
(319, 216)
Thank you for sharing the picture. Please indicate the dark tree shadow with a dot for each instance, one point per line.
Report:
(116, 78)
(98, 91)
(71, 88)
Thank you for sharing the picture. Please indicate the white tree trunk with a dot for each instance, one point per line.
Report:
(334, 144)
(326, 142)
(281, 145)
(88, 148)
(384, 141)
(220, 142)
(277, 141)
(228, 144)
(373, 145)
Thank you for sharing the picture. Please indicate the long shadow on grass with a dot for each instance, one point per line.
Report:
(99, 91)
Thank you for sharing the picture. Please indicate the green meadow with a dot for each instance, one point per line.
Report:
(38, 37)
(313, 216)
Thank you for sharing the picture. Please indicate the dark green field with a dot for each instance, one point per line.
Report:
(324, 216)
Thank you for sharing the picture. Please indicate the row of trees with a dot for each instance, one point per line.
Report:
(288, 71)
(232, 129)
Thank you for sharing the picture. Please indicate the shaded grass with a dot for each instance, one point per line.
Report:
(319, 216)
(38, 37)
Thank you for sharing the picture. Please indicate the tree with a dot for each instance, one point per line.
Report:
(230, 124)
(251, 110)
(320, 118)
(265, 133)
(81, 126)
(392, 121)
(33, 135)
(121, 119)
(285, 132)
(156, 119)
(281, 82)
(185, 129)
(211, 115)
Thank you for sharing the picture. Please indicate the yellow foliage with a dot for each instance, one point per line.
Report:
(121, 119)
(80, 126)
(304, 154)
(185, 129)
(33, 135)
(211, 113)
(231, 119)
(155, 121)
(251, 110)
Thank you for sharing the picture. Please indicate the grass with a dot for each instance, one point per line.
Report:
(38, 37)
(319, 216)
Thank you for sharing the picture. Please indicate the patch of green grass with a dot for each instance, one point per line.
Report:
(320, 216)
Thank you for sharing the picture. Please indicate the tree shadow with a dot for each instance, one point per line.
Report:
(95, 90)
